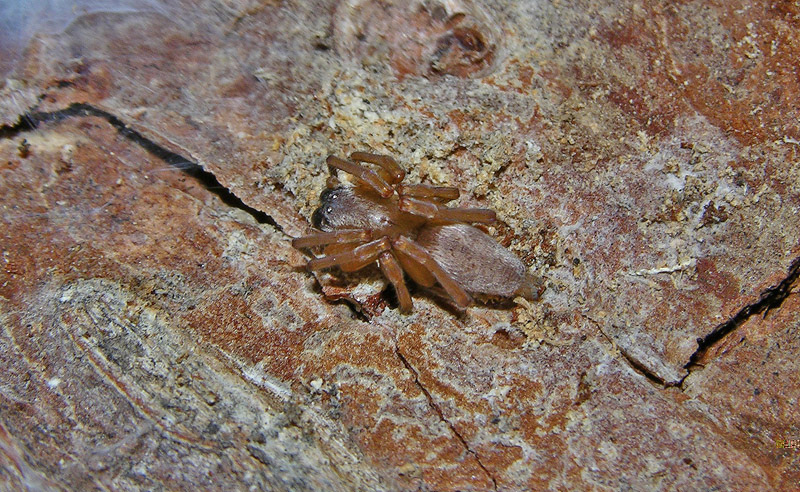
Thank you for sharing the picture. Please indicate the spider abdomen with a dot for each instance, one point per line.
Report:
(476, 261)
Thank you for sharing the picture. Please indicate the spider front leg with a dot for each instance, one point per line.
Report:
(393, 171)
(353, 259)
(336, 242)
(365, 175)
(343, 236)
(358, 257)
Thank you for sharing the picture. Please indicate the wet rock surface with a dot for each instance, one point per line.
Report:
(158, 329)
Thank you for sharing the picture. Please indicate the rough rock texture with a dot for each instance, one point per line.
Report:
(158, 330)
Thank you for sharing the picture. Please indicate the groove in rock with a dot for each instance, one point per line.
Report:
(31, 120)
(770, 299)
(642, 369)
(438, 411)
(632, 361)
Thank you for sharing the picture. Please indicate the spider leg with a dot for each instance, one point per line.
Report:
(391, 268)
(481, 215)
(389, 165)
(418, 254)
(355, 258)
(336, 237)
(415, 270)
(339, 248)
(363, 174)
(444, 193)
(415, 206)
(430, 210)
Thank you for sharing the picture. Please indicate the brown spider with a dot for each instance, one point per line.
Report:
(406, 227)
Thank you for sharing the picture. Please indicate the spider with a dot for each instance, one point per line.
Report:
(406, 227)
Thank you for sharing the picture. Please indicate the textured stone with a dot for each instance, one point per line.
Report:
(158, 329)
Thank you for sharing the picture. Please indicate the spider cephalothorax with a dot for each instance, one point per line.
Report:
(407, 228)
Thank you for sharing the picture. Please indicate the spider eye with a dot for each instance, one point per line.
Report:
(329, 195)
(321, 219)
(318, 219)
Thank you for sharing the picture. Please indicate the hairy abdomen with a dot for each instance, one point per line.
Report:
(476, 262)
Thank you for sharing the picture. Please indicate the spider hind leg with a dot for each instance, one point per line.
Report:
(418, 254)
(391, 268)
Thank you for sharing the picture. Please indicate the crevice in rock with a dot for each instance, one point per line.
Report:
(356, 311)
(31, 120)
(438, 411)
(638, 366)
(642, 369)
(772, 298)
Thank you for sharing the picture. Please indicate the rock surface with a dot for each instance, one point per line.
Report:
(158, 330)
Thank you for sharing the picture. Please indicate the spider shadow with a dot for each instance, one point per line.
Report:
(347, 283)
(435, 294)
(442, 300)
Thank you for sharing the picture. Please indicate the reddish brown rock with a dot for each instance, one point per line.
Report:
(159, 330)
